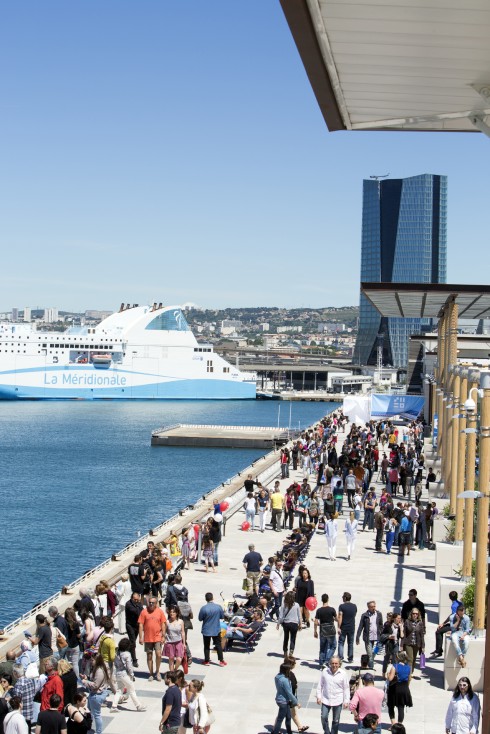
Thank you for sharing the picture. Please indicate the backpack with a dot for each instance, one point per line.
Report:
(181, 594)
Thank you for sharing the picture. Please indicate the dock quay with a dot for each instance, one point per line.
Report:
(231, 437)
(243, 695)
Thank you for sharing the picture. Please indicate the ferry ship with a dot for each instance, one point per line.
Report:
(140, 352)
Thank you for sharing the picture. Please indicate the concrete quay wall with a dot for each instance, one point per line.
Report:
(263, 469)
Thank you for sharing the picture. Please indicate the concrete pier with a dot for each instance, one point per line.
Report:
(231, 437)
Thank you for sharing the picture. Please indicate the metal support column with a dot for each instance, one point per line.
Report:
(469, 503)
(483, 507)
(459, 426)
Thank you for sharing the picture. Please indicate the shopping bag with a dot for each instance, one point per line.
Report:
(422, 661)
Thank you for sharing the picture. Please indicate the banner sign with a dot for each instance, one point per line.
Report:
(384, 406)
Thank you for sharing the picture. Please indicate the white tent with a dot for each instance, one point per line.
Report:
(357, 408)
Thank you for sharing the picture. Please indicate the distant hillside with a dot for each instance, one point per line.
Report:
(251, 317)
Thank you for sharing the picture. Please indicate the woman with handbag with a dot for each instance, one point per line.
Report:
(98, 685)
(200, 714)
(414, 637)
(399, 696)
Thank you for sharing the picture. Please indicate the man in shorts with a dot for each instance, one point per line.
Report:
(152, 624)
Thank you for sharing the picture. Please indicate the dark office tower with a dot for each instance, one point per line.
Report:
(403, 241)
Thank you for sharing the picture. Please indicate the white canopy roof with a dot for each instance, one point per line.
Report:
(396, 64)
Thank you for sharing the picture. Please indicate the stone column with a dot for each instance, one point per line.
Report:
(459, 426)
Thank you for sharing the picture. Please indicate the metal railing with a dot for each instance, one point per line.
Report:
(143, 539)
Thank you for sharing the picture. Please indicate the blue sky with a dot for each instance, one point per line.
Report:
(174, 151)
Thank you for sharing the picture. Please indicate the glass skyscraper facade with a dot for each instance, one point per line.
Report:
(403, 241)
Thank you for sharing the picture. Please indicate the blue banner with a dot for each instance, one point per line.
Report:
(384, 406)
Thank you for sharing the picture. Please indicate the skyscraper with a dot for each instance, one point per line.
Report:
(404, 241)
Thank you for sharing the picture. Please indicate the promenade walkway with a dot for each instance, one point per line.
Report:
(242, 694)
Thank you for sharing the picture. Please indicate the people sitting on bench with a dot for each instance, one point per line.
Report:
(243, 630)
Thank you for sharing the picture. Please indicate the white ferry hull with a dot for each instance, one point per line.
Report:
(145, 353)
(72, 382)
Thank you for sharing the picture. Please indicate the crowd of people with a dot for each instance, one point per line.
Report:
(68, 667)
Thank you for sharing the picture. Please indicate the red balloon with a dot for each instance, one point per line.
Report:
(196, 528)
(224, 506)
(245, 525)
(311, 603)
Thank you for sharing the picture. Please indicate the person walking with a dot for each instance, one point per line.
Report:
(463, 712)
(367, 700)
(277, 504)
(210, 615)
(350, 487)
(132, 612)
(369, 507)
(370, 626)
(350, 530)
(332, 694)
(171, 704)
(291, 661)
(331, 529)
(390, 533)
(174, 648)
(346, 619)
(98, 685)
(285, 699)
(252, 563)
(305, 588)
(290, 619)
(398, 678)
(124, 675)
(413, 636)
(152, 624)
(250, 506)
(263, 507)
(379, 524)
(325, 618)
(276, 585)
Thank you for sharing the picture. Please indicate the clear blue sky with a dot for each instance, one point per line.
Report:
(174, 151)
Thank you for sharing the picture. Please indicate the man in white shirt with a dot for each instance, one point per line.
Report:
(333, 693)
(276, 583)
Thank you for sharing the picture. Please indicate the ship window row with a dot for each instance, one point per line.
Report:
(79, 346)
(202, 349)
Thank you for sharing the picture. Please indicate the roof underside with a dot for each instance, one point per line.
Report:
(426, 300)
(396, 64)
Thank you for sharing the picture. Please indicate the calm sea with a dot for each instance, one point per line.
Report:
(79, 480)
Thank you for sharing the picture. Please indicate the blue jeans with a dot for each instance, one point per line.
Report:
(277, 605)
(95, 701)
(460, 645)
(327, 649)
(349, 636)
(369, 650)
(215, 553)
(336, 711)
(283, 714)
(368, 519)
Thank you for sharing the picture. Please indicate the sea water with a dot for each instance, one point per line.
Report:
(80, 480)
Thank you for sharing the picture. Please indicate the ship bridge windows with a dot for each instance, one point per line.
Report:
(173, 320)
(203, 349)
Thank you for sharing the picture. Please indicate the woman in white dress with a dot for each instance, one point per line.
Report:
(350, 530)
(331, 527)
